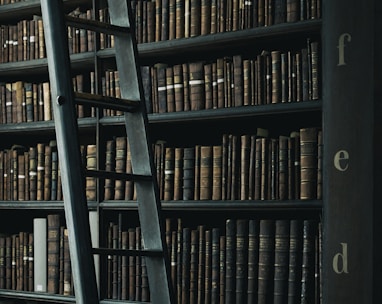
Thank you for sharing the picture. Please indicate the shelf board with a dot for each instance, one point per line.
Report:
(37, 296)
(247, 205)
(224, 113)
(38, 126)
(40, 205)
(9, 12)
(216, 41)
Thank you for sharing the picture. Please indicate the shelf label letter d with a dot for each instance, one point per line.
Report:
(341, 47)
(340, 260)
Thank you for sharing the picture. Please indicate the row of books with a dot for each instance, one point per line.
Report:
(22, 101)
(172, 19)
(242, 167)
(159, 20)
(37, 260)
(240, 261)
(270, 77)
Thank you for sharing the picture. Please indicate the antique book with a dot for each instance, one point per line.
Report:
(169, 167)
(109, 166)
(253, 260)
(215, 264)
(230, 261)
(241, 260)
(206, 170)
(188, 173)
(295, 260)
(178, 174)
(216, 172)
(310, 234)
(308, 162)
(196, 85)
(281, 270)
(120, 166)
(266, 261)
(53, 249)
(91, 164)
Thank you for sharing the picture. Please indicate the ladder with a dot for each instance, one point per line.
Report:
(73, 175)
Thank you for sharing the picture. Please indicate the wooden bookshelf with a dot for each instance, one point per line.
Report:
(206, 127)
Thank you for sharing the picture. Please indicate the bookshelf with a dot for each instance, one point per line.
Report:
(202, 219)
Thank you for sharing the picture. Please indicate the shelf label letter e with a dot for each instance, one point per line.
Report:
(341, 47)
(340, 260)
(341, 160)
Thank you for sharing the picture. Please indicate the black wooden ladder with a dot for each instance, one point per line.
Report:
(73, 174)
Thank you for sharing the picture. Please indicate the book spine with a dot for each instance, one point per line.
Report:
(53, 249)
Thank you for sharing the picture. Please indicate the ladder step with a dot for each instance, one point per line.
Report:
(128, 252)
(117, 175)
(97, 26)
(96, 100)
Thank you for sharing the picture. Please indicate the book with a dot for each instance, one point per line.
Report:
(188, 172)
(281, 270)
(230, 262)
(308, 162)
(241, 260)
(295, 260)
(215, 264)
(169, 168)
(253, 260)
(196, 85)
(266, 261)
(91, 164)
(53, 250)
(206, 159)
(120, 166)
(178, 174)
(310, 233)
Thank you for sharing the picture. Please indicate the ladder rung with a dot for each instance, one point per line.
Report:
(128, 252)
(120, 104)
(97, 26)
(117, 175)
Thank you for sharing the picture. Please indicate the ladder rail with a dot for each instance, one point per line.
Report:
(149, 205)
(72, 177)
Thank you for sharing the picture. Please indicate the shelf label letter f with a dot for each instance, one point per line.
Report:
(341, 47)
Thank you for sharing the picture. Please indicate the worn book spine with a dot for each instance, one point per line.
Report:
(178, 174)
(217, 172)
(188, 173)
(40, 170)
(120, 166)
(169, 168)
(194, 251)
(201, 263)
(253, 260)
(295, 261)
(215, 264)
(47, 172)
(186, 255)
(266, 261)
(310, 234)
(91, 164)
(53, 249)
(230, 262)
(206, 160)
(281, 268)
(308, 152)
(208, 86)
(178, 87)
(109, 166)
(238, 80)
(241, 260)
(170, 89)
(196, 85)
(245, 142)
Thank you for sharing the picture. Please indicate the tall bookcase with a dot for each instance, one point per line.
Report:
(308, 220)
